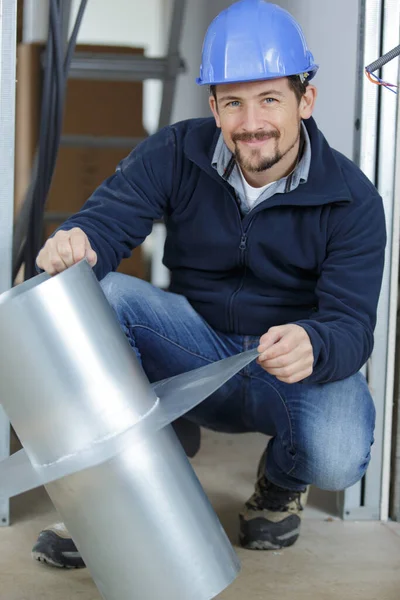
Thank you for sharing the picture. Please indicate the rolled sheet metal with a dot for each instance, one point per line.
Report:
(91, 423)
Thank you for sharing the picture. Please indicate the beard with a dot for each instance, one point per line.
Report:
(255, 162)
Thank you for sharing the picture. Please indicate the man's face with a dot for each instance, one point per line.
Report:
(260, 120)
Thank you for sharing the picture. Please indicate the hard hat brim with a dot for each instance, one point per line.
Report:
(311, 74)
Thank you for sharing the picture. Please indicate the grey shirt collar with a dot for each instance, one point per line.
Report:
(226, 167)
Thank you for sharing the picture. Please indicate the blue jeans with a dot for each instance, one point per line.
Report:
(321, 433)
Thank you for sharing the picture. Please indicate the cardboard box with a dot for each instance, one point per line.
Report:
(105, 108)
(78, 173)
(27, 110)
(95, 108)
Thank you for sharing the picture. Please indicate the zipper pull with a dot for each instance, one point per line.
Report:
(243, 243)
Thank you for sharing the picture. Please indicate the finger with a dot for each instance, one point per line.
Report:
(40, 259)
(270, 338)
(78, 244)
(292, 373)
(54, 262)
(47, 259)
(282, 347)
(288, 348)
(297, 377)
(64, 249)
(90, 254)
(283, 360)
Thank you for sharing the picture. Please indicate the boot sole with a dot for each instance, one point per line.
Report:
(43, 558)
(57, 551)
(261, 534)
(258, 545)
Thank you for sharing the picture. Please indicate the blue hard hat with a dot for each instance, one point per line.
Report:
(254, 40)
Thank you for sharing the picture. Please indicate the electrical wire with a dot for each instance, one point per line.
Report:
(377, 81)
(28, 229)
(45, 149)
(56, 83)
(383, 60)
(378, 64)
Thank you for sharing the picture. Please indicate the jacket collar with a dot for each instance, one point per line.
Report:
(326, 183)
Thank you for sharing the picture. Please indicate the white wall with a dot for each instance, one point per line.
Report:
(331, 30)
(191, 100)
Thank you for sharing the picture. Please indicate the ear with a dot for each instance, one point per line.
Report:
(307, 102)
(214, 109)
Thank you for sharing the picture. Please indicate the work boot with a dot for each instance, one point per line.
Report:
(271, 518)
(189, 435)
(56, 548)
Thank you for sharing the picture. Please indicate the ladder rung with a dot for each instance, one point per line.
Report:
(94, 141)
(122, 67)
(56, 217)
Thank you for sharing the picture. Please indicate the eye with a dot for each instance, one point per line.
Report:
(269, 100)
(234, 103)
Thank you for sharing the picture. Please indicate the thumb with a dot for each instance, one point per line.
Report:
(273, 335)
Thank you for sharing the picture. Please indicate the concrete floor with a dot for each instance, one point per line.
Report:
(332, 560)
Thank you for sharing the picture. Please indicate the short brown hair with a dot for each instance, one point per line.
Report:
(296, 84)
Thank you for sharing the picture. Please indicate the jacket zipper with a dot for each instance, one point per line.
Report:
(242, 249)
(242, 246)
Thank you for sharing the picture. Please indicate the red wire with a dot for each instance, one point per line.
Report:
(376, 81)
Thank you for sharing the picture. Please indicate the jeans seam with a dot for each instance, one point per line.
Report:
(289, 419)
(191, 352)
(244, 403)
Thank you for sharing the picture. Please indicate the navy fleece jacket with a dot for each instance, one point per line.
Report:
(313, 256)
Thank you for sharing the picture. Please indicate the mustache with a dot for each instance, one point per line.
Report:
(257, 135)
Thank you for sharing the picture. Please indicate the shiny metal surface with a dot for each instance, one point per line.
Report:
(175, 396)
(68, 380)
(65, 352)
(154, 534)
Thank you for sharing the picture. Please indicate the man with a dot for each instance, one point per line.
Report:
(274, 241)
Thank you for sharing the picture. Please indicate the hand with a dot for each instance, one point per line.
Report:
(286, 352)
(64, 250)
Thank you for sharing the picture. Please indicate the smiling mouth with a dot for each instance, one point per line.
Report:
(255, 142)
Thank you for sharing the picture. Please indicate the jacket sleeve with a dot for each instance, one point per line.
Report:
(342, 328)
(120, 213)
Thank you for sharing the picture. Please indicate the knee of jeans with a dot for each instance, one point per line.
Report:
(121, 290)
(333, 466)
(337, 476)
(334, 440)
(112, 286)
